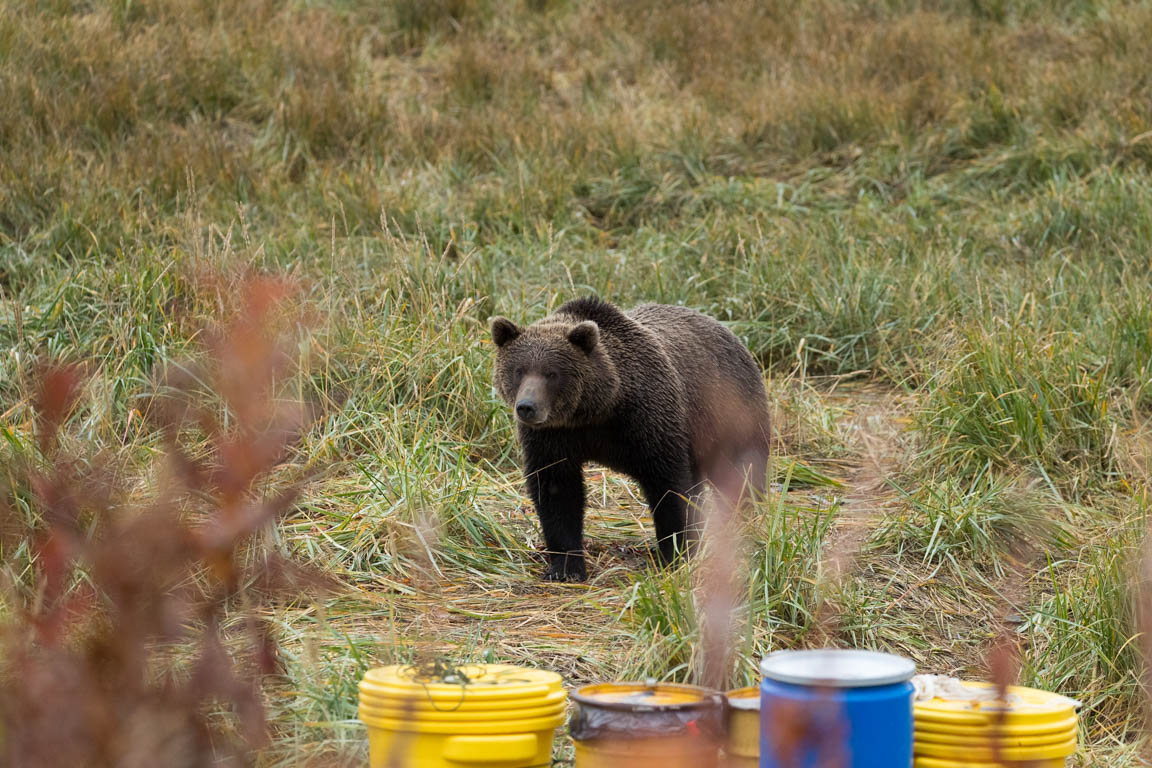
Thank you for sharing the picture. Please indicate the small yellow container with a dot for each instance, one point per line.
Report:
(495, 715)
(742, 747)
(647, 725)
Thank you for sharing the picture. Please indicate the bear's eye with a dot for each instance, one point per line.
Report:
(519, 372)
(550, 375)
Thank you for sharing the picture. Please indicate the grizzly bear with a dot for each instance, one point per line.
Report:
(663, 394)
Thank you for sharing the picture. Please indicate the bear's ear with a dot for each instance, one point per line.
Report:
(585, 335)
(503, 331)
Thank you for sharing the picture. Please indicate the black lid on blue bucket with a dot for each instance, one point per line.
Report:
(837, 668)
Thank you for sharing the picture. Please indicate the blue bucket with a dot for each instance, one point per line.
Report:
(833, 708)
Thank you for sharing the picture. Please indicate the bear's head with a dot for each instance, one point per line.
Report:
(554, 373)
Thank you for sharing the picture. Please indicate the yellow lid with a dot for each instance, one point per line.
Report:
(744, 698)
(936, 762)
(494, 727)
(398, 711)
(1035, 707)
(639, 697)
(983, 729)
(1043, 752)
(417, 701)
(486, 685)
(1005, 739)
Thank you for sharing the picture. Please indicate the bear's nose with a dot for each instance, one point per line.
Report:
(526, 410)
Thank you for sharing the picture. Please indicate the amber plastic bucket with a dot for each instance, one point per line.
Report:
(647, 725)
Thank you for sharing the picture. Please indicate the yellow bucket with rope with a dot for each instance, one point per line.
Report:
(478, 714)
(1031, 728)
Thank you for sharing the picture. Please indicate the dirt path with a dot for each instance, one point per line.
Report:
(947, 615)
(879, 440)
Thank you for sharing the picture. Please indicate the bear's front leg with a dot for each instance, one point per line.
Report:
(557, 490)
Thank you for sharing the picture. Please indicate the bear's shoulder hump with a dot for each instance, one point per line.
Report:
(595, 309)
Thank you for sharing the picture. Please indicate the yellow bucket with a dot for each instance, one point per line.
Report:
(492, 714)
(1034, 728)
(742, 746)
(647, 725)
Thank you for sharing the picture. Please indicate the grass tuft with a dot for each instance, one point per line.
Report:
(971, 524)
(1014, 397)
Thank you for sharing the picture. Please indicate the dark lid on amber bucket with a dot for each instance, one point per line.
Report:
(647, 696)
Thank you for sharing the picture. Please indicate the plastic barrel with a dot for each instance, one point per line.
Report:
(848, 708)
(497, 715)
(647, 725)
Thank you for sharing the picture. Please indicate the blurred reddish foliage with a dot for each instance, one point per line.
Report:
(807, 731)
(1004, 670)
(144, 621)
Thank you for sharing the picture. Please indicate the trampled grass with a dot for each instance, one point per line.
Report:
(951, 200)
(971, 525)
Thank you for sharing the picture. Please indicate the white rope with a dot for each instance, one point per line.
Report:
(930, 687)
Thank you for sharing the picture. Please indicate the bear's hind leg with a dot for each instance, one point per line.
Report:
(667, 497)
(755, 461)
(741, 473)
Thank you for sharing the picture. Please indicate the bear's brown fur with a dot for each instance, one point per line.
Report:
(661, 393)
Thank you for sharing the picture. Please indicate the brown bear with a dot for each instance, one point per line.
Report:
(663, 394)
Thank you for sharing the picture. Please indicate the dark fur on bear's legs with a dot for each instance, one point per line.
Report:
(556, 485)
(557, 491)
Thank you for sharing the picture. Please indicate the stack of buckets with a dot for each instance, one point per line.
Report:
(492, 715)
(1037, 729)
(851, 709)
(847, 708)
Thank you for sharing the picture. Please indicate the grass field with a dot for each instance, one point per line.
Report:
(930, 220)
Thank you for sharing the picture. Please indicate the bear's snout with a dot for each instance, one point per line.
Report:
(531, 412)
(526, 411)
(532, 401)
